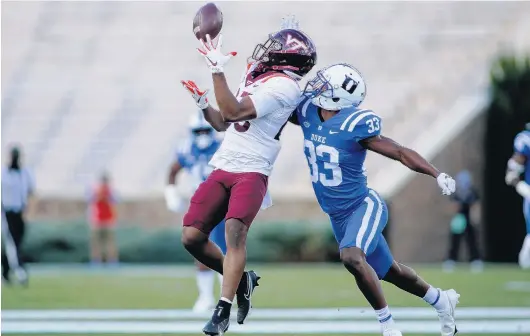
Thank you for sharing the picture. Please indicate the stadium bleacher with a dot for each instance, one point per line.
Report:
(95, 85)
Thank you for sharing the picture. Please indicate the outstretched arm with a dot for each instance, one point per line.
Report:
(231, 109)
(408, 157)
(173, 201)
(173, 171)
(212, 116)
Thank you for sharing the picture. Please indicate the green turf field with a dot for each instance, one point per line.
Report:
(293, 286)
(282, 286)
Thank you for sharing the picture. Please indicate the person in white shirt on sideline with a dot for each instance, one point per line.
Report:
(17, 187)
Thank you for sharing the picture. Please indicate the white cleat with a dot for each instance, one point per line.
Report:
(524, 254)
(447, 315)
(477, 266)
(448, 266)
(391, 332)
(203, 305)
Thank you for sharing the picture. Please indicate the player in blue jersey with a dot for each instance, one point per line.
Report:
(337, 136)
(519, 164)
(193, 156)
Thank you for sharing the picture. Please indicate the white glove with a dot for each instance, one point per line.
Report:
(215, 59)
(523, 189)
(173, 201)
(513, 172)
(446, 183)
(200, 97)
(512, 177)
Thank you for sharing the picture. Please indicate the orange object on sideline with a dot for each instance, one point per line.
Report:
(102, 208)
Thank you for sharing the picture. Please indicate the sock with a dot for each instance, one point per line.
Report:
(222, 310)
(384, 317)
(524, 254)
(225, 300)
(205, 282)
(434, 298)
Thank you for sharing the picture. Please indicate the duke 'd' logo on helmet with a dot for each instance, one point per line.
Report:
(294, 44)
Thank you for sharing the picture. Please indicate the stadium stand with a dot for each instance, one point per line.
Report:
(93, 85)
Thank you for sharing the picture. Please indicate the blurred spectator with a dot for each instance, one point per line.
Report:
(17, 187)
(102, 218)
(464, 199)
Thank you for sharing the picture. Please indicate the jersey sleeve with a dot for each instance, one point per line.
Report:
(521, 144)
(183, 154)
(364, 124)
(274, 94)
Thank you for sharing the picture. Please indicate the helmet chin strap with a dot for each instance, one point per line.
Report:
(318, 102)
(293, 75)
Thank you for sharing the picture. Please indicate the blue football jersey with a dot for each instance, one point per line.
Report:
(335, 157)
(521, 145)
(196, 160)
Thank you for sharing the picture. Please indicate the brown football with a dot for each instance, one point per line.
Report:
(208, 20)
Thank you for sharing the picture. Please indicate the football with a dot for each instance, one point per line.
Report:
(208, 20)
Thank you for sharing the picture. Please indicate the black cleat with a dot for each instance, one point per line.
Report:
(216, 328)
(220, 320)
(244, 293)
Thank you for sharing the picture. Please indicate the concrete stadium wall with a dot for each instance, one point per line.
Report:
(421, 215)
(153, 212)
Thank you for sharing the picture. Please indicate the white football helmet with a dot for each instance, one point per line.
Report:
(336, 87)
(202, 132)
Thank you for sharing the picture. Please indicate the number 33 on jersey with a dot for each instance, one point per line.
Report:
(335, 157)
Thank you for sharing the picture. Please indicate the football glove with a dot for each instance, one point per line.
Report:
(200, 97)
(173, 201)
(523, 189)
(446, 183)
(215, 59)
(513, 172)
(511, 177)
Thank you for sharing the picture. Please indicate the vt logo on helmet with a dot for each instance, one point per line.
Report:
(336, 87)
(288, 50)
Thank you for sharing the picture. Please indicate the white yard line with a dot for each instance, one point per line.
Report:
(301, 327)
(262, 314)
(517, 286)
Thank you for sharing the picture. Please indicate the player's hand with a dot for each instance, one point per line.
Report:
(200, 97)
(446, 183)
(512, 178)
(215, 59)
(173, 200)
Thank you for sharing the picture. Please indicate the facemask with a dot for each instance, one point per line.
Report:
(203, 141)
